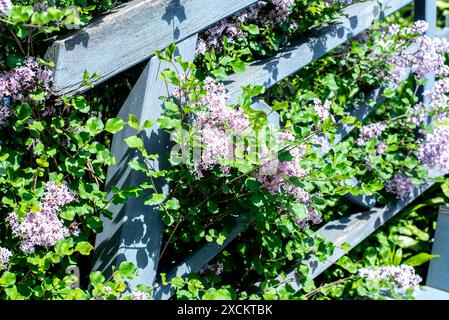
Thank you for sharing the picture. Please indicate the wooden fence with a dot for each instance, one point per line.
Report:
(130, 34)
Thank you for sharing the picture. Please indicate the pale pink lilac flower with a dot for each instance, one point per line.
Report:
(428, 58)
(43, 228)
(17, 83)
(5, 256)
(215, 268)
(139, 295)
(434, 151)
(381, 147)
(276, 181)
(216, 126)
(401, 277)
(371, 131)
(5, 6)
(400, 186)
(322, 109)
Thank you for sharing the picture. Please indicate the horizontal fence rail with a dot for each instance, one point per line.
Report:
(296, 55)
(117, 41)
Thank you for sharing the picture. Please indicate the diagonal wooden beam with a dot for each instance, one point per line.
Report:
(135, 231)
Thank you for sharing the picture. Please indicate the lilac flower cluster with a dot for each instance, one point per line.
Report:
(438, 95)
(381, 147)
(428, 58)
(322, 109)
(265, 14)
(139, 295)
(5, 6)
(274, 176)
(17, 83)
(371, 131)
(43, 228)
(433, 151)
(400, 186)
(417, 114)
(401, 277)
(217, 125)
(215, 268)
(5, 256)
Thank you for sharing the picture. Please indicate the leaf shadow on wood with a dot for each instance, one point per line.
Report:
(175, 11)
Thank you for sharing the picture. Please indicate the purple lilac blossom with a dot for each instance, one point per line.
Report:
(428, 58)
(322, 109)
(434, 151)
(43, 228)
(400, 186)
(276, 181)
(5, 6)
(401, 277)
(438, 95)
(5, 256)
(215, 268)
(263, 13)
(17, 83)
(216, 127)
(381, 147)
(139, 295)
(371, 131)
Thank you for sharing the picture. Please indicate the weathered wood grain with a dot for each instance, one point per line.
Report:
(114, 42)
(135, 231)
(438, 274)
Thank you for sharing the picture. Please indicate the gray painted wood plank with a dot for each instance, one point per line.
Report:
(135, 231)
(115, 42)
(299, 53)
(429, 293)
(196, 261)
(438, 274)
(444, 33)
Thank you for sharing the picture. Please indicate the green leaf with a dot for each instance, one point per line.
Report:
(23, 111)
(137, 165)
(133, 122)
(346, 263)
(134, 142)
(94, 126)
(38, 95)
(94, 223)
(84, 248)
(96, 278)
(257, 200)
(252, 29)
(155, 199)
(217, 294)
(299, 210)
(80, 104)
(7, 279)
(252, 184)
(345, 246)
(127, 270)
(114, 125)
(172, 204)
(420, 259)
